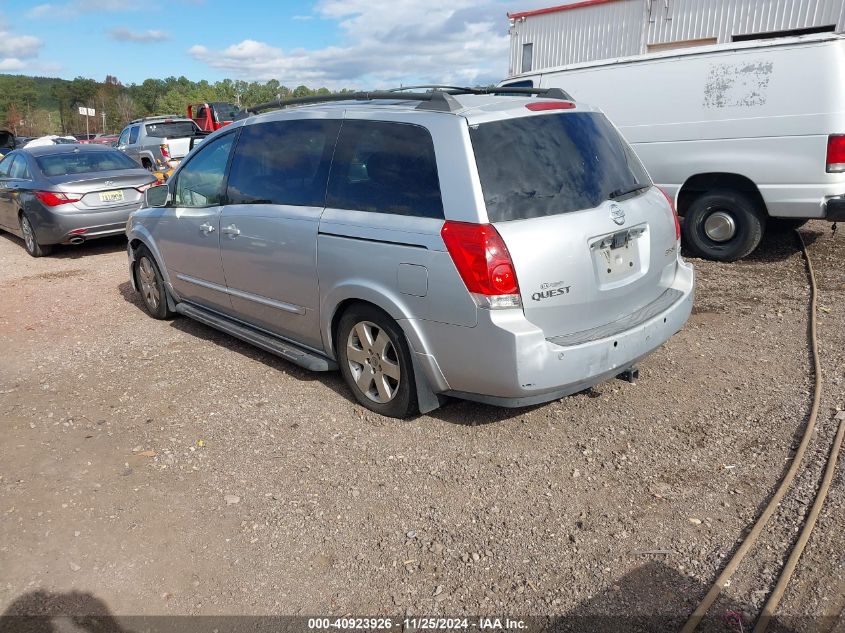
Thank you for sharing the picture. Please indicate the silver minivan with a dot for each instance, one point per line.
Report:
(503, 248)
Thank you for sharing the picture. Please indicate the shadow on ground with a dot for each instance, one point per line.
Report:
(654, 598)
(453, 411)
(100, 246)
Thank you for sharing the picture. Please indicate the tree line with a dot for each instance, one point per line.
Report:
(34, 106)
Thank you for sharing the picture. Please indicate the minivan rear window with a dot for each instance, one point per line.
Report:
(549, 164)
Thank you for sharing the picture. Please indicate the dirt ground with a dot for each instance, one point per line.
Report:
(151, 467)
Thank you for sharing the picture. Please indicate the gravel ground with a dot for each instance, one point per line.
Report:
(154, 467)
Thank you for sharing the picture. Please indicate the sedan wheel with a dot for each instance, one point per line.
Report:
(30, 240)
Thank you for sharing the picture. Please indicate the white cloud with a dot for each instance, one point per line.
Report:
(17, 52)
(11, 64)
(122, 33)
(23, 46)
(75, 8)
(383, 43)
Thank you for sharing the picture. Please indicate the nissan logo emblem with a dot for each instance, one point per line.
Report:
(617, 214)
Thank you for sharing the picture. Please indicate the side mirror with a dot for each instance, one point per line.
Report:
(157, 196)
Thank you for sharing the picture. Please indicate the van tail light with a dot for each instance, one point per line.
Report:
(835, 153)
(54, 199)
(483, 262)
(674, 214)
(165, 151)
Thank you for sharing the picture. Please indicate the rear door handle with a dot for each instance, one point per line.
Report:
(231, 230)
(207, 228)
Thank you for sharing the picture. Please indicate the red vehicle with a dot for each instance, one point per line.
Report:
(212, 116)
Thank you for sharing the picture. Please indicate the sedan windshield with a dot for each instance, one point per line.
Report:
(84, 162)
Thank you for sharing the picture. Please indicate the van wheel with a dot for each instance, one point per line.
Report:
(30, 240)
(150, 283)
(375, 362)
(723, 225)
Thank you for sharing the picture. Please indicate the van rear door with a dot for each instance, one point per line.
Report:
(591, 239)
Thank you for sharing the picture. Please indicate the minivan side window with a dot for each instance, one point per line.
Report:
(133, 134)
(200, 182)
(283, 162)
(385, 167)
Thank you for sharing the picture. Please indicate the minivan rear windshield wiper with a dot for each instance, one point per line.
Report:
(618, 193)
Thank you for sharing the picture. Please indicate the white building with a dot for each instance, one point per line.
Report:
(592, 30)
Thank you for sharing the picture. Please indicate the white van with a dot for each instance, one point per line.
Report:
(745, 136)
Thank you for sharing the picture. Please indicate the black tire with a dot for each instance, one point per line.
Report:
(748, 220)
(30, 239)
(150, 284)
(785, 225)
(397, 382)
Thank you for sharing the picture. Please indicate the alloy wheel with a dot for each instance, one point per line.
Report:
(149, 285)
(28, 234)
(373, 362)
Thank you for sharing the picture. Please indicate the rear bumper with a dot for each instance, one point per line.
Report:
(53, 227)
(507, 361)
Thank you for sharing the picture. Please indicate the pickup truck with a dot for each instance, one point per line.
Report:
(159, 143)
(212, 116)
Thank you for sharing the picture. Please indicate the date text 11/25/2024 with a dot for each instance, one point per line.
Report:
(418, 624)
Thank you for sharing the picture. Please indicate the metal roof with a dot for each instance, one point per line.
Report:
(561, 7)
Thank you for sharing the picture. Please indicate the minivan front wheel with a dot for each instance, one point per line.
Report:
(723, 225)
(375, 362)
(150, 283)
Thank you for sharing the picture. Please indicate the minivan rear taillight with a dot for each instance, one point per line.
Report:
(835, 153)
(674, 214)
(483, 262)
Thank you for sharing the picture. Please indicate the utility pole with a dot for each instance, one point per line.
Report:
(103, 114)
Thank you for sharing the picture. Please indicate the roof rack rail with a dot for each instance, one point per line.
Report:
(436, 98)
(550, 93)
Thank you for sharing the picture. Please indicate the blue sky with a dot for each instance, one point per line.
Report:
(333, 43)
